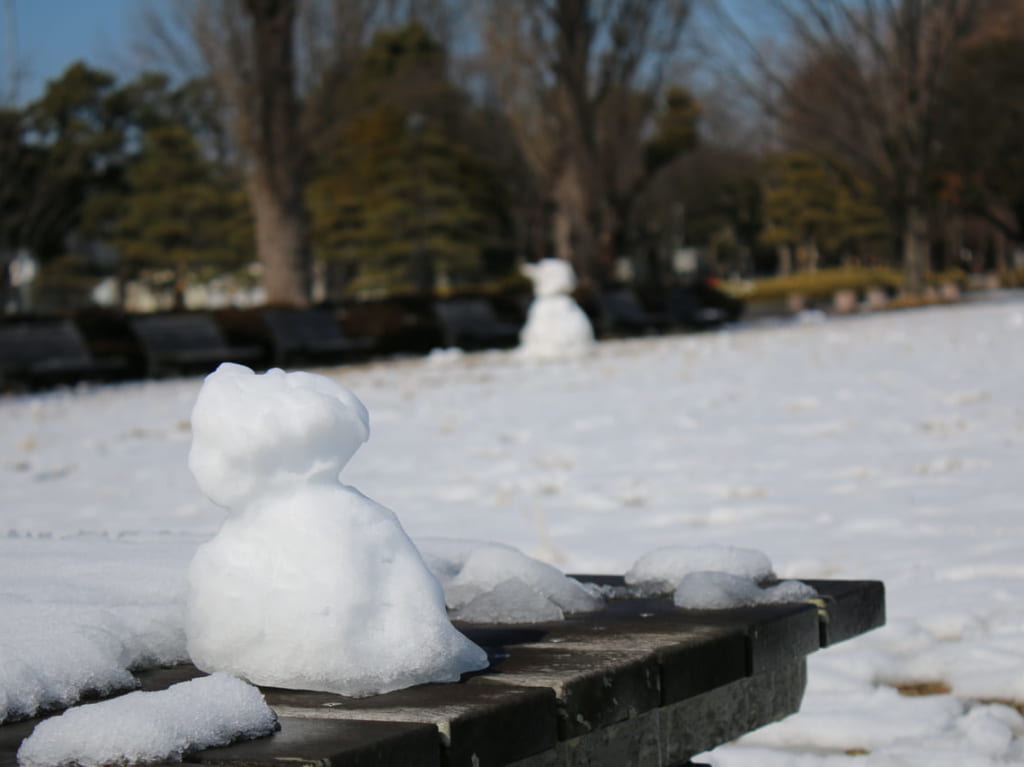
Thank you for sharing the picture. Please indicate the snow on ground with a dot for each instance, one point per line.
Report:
(885, 446)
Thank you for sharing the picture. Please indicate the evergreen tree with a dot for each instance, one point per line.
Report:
(402, 200)
(177, 212)
(72, 138)
(810, 207)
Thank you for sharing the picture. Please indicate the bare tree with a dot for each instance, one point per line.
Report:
(865, 87)
(280, 68)
(580, 81)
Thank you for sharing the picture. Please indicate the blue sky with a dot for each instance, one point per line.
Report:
(51, 34)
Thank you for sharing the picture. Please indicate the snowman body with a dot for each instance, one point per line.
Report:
(556, 327)
(308, 584)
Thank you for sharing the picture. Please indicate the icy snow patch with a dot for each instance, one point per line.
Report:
(95, 610)
(721, 591)
(309, 584)
(493, 583)
(511, 601)
(143, 727)
(151, 726)
(660, 571)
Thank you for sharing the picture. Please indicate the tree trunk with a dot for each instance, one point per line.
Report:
(809, 255)
(1001, 246)
(275, 181)
(180, 284)
(954, 243)
(282, 244)
(915, 249)
(784, 253)
(610, 243)
(573, 230)
(561, 229)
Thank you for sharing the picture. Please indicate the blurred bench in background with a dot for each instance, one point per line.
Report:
(48, 352)
(311, 335)
(180, 343)
(622, 313)
(700, 307)
(470, 322)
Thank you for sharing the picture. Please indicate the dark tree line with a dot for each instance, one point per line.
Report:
(907, 106)
(407, 146)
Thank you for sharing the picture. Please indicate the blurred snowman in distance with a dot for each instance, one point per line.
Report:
(308, 584)
(556, 327)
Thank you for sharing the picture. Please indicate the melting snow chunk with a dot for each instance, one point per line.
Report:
(151, 726)
(511, 601)
(722, 591)
(493, 583)
(660, 571)
(713, 578)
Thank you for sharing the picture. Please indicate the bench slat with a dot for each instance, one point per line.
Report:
(177, 342)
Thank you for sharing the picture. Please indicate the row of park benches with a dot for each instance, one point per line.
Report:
(43, 352)
(35, 353)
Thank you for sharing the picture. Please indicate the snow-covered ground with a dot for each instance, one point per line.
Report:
(886, 447)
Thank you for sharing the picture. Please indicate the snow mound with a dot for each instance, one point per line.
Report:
(511, 601)
(308, 584)
(493, 583)
(661, 570)
(86, 624)
(51, 655)
(722, 591)
(151, 726)
(556, 327)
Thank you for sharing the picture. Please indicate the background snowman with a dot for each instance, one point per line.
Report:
(556, 327)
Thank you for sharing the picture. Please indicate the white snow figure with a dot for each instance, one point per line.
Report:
(556, 327)
(309, 584)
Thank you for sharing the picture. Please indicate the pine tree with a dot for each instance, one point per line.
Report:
(176, 213)
(809, 207)
(403, 201)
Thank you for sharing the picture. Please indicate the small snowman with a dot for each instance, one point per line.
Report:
(308, 584)
(556, 327)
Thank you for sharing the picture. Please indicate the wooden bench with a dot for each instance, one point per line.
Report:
(700, 306)
(472, 323)
(47, 352)
(309, 335)
(640, 683)
(186, 343)
(621, 311)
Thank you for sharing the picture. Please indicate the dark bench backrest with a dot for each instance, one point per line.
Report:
(465, 314)
(178, 332)
(298, 328)
(28, 342)
(682, 301)
(624, 305)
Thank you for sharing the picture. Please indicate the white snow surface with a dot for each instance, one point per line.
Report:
(299, 549)
(143, 727)
(556, 327)
(660, 571)
(883, 446)
(714, 590)
(492, 583)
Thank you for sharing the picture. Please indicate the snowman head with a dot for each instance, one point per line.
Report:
(551, 276)
(255, 435)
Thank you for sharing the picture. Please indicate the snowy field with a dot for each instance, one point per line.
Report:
(878, 447)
